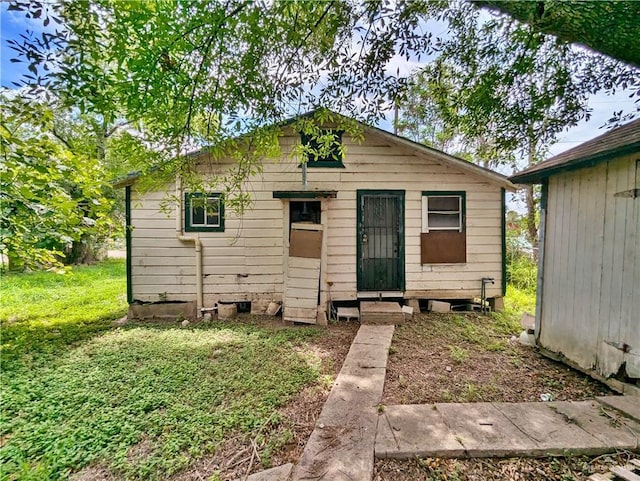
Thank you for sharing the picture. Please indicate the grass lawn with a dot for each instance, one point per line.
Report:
(142, 401)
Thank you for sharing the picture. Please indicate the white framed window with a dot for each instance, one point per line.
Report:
(443, 211)
(443, 239)
(204, 212)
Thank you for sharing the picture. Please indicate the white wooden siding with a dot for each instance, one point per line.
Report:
(301, 290)
(246, 260)
(591, 286)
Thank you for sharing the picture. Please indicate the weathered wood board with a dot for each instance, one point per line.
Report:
(301, 303)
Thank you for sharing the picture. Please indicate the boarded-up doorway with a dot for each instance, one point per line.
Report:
(302, 282)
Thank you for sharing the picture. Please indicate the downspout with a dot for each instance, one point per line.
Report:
(196, 242)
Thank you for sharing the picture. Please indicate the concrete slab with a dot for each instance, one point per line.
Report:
(628, 405)
(350, 396)
(340, 452)
(588, 416)
(483, 430)
(415, 430)
(552, 433)
(280, 473)
(380, 335)
(341, 446)
(366, 356)
(501, 430)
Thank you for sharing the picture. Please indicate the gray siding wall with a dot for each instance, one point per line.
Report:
(591, 288)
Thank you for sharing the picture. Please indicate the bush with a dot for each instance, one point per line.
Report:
(522, 273)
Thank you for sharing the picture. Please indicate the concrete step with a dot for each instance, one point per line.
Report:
(379, 313)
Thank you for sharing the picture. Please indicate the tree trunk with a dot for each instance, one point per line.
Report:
(83, 251)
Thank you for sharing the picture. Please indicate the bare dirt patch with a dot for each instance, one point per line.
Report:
(577, 468)
(473, 358)
(284, 439)
(93, 473)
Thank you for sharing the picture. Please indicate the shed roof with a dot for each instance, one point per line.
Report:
(614, 143)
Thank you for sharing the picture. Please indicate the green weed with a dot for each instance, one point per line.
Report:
(143, 400)
(42, 312)
(458, 354)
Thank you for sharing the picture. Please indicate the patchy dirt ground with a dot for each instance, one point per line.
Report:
(472, 358)
(577, 468)
(484, 365)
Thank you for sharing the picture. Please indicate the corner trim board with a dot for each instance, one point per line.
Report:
(503, 228)
(127, 236)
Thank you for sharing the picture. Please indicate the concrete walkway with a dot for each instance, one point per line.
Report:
(509, 429)
(341, 446)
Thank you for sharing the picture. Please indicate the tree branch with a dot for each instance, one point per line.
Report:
(58, 136)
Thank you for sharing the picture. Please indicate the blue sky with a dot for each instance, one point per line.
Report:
(13, 23)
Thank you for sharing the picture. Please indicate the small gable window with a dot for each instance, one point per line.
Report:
(443, 239)
(323, 150)
(203, 212)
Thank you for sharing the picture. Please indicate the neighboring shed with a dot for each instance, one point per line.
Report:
(588, 307)
(388, 219)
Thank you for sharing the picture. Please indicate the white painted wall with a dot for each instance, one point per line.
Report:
(246, 260)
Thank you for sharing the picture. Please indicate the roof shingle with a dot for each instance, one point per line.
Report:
(621, 140)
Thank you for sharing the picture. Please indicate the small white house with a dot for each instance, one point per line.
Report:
(382, 218)
(588, 307)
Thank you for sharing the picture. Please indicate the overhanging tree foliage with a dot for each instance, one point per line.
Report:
(609, 27)
(55, 170)
(205, 71)
(51, 195)
(507, 91)
(197, 74)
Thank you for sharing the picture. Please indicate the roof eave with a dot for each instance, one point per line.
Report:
(538, 175)
(462, 164)
(126, 181)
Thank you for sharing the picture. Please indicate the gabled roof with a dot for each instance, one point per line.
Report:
(446, 159)
(614, 143)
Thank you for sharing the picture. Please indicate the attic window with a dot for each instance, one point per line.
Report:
(443, 239)
(203, 212)
(324, 149)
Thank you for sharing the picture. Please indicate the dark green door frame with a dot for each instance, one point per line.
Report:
(380, 267)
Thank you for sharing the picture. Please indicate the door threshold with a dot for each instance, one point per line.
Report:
(379, 294)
